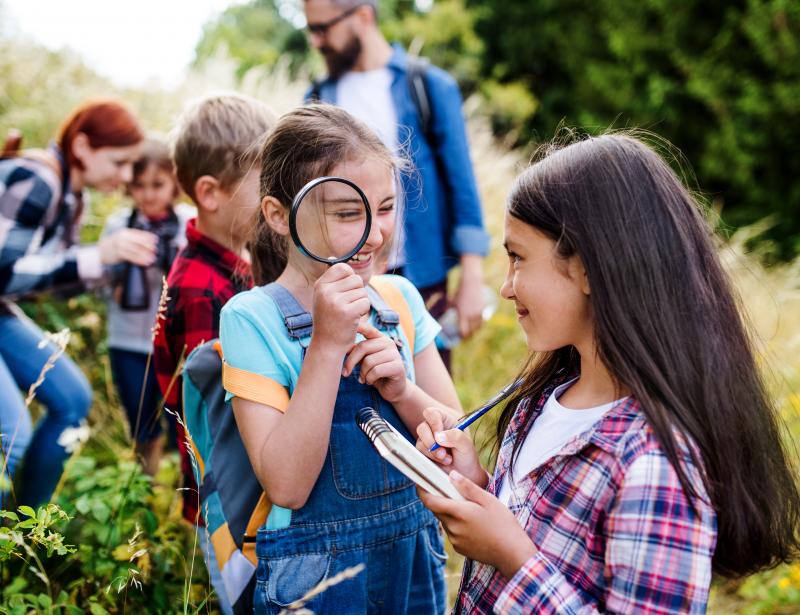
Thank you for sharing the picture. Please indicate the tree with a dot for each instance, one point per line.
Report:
(255, 35)
(719, 79)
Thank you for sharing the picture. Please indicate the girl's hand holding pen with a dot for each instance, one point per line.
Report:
(456, 452)
(340, 301)
(481, 527)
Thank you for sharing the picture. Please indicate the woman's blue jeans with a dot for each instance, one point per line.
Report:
(35, 458)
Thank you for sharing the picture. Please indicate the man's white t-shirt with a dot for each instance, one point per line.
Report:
(367, 95)
(553, 428)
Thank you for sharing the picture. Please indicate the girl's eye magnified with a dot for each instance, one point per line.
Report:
(348, 215)
(330, 219)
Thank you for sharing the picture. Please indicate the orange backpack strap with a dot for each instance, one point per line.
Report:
(253, 387)
(257, 519)
(393, 296)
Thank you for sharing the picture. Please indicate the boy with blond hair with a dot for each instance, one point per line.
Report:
(216, 153)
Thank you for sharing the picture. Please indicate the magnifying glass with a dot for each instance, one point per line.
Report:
(330, 219)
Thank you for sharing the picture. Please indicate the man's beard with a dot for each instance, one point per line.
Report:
(339, 62)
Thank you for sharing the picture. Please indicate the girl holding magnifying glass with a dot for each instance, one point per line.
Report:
(304, 354)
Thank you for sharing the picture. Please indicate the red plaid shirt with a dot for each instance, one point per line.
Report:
(202, 279)
(614, 529)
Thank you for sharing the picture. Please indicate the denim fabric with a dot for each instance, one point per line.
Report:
(360, 511)
(442, 209)
(128, 368)
(36, 459)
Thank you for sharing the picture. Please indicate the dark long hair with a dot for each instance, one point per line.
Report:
(667, 326)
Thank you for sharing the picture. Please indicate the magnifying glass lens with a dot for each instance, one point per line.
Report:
(331, 221)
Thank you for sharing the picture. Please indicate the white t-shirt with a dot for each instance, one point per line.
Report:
(367, 95)
(553, 428)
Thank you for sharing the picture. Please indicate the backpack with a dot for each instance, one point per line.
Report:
(12, 148)
(416, 75)
(232, 501)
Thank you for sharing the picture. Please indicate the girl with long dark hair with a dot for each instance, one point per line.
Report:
(642, 451)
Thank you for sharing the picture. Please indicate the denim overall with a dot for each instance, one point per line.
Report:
(360, 511)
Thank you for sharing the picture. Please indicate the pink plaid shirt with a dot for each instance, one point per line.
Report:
(614, 529)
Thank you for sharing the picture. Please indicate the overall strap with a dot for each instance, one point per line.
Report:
(295, 317)
(387, 317)
(394, 297)
(389, 321)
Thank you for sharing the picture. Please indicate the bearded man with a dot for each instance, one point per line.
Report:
(443, 223)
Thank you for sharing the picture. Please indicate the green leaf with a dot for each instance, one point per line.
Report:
(96, 609)
(85, 484)
(101, 511)
(15, 586)
(7, 514)
(83, 505)
(150, 521)
(27, 511)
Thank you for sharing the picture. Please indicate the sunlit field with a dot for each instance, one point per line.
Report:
(124, 546)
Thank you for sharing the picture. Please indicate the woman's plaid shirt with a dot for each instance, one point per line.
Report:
(614, 529)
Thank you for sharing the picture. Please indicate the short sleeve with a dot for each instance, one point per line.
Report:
(253, 344)
(425, 326)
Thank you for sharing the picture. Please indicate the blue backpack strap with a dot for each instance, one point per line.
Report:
(295, 317)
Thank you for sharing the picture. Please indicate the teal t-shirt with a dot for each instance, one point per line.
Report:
(254, 339)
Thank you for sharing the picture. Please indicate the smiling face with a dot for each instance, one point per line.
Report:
(551, 294)
(105, 168)
(335, 34)
(331, 219)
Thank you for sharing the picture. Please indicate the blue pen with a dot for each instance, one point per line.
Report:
(471, 418)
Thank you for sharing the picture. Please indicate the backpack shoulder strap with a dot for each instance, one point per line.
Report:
(315, 94)
(416, 71)
(13, 144)
(257, 387)
(393, 296)
(12, 148)
(45, 158)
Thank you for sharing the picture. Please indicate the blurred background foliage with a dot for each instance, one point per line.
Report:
(721, 80)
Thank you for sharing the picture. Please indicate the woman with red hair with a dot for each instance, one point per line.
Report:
(41, 201)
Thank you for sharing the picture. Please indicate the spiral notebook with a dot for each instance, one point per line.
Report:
(394, 448)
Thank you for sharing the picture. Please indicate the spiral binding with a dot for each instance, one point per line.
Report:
(372, 423)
